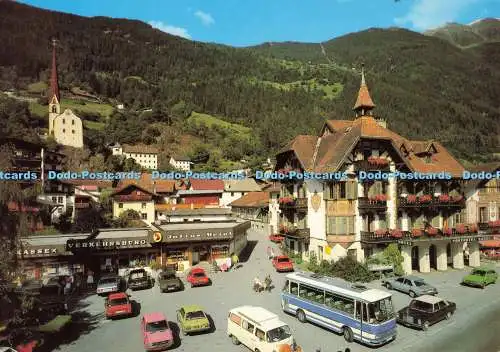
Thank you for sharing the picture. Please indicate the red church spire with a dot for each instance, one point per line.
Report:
(364, 103)
(54, 83)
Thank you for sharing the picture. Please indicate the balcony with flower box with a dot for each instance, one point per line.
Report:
(427, 200)
(372, 164)
(133, 198)
(292, 203)
(382, 235)
(377, 202)
(294, 232)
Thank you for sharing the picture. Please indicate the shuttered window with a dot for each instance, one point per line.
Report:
(340, 225)
(435, 221)
(382, 222)
(352, 190)
(419, 222)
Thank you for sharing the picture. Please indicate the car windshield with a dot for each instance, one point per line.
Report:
(279, 334)
(199, 274)
(109, 280)
(157, 326)
(478, 273)
(420, 283)
(166, 276)
(137, 275)
(419, 305)
(283, 260)
(195, 315)
(118, 302)
(382, 310)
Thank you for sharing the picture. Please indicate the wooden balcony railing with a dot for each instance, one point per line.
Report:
(365, 165)
(298, 203)
(430, 201)
(382, 236)
(132, 198)
(365, 203)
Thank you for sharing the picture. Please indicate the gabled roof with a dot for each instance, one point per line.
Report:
(252, 200)
(206, 185)
(244, 185)
(140, 149)
(121, 189)
(345, 134)
(303, 147)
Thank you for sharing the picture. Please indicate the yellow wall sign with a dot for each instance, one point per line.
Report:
(328, 250)
(157, 237)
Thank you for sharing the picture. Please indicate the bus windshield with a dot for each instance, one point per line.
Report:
(381, 311)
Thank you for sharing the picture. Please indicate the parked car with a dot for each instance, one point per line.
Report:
(425, 311)
(198, 277)
(282, 263)
(412, 285)
(168, 281)
(480, 277)
(276, 238)
(108, 284)
(156, 332)
(7, 349)
(192, 319)
(117, 305)
(139, 279)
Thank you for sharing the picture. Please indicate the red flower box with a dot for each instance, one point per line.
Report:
(426, 198)
(411, 198)
(447, 231)
(380, 232)
(495, 223)
(372, 160)
(396, 233)
(432, 231)
(286, 200)
(473, 228)
(444, 198)
(416, 232)
(461, 228)
(379, 198)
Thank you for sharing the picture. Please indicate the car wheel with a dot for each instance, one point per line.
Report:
(235, 340)
(483, 285)
(448, 315)
(348, 335)
(301, 316)
(412, 294)
(425, 326)
(389, 286)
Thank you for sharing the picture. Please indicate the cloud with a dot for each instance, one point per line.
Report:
(205, 18)
(427, 14)
(178, 31)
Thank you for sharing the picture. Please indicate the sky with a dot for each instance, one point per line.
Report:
(251, 22)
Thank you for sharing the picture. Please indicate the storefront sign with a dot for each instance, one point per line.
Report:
(106, 244)
(37, 252)
(471, 239)
(180, 237)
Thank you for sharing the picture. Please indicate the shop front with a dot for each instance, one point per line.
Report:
(185, 245)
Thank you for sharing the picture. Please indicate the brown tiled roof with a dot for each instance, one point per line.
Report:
(272, 187)
(243, 185)
(98, 183)
(140, 149)
(153, 186)
(125, 186)
(345, 134)
(252, 200)
(303, 146)
(206, 185)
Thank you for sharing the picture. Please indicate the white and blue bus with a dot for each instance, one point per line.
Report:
(359, 313)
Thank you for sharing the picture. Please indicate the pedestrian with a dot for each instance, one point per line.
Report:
(67, 285)
(90, 279)
(272, 253)
(269, 252)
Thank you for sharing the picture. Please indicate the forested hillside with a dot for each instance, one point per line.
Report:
(424, 87)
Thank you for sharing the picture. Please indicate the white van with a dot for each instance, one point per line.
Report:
(259, 330)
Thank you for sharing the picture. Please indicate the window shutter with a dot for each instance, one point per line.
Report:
(371, 190)
(327, 191)
(435, 221)
(351, 225)
(351, 188)
(342, 225)
(335, 193)
(419, 222)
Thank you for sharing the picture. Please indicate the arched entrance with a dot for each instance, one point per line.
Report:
(433, 256)
(415, 262)
(449, 257)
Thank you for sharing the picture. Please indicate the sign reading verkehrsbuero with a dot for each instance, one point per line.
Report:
(106, 244)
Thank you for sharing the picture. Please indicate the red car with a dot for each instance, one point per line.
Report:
(282, 263)
(156, 332)
(276, 238)
(117, 305)
(198, 277)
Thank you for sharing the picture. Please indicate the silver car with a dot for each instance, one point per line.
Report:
(413, 285)
(108, 284)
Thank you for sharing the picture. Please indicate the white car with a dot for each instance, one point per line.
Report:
(7, 349)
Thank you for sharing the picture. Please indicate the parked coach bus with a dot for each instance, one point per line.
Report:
(358, 312)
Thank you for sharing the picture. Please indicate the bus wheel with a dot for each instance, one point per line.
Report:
(235, 340)
(348, 336)
(301, 316)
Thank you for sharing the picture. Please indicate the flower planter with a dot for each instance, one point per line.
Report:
(378, 198)
(286, 200)
(426, 198)
(447, 231)
(396, 233)
(377, 161)
(473, 228)
(412, 199)
(457, 199)
(494, 224)
(461, 229)
(444, 198)
(380, 232)
(432, 231)
(416, 232)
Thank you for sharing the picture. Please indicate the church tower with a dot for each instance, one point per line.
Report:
(54, 97)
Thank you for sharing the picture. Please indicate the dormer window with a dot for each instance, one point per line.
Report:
(428, 158)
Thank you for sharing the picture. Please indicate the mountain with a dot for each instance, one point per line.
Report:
(423, 86)
(481, 31)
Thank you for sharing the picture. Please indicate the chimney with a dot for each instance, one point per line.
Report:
(382, 123)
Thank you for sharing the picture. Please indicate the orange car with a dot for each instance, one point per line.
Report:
(282, 263)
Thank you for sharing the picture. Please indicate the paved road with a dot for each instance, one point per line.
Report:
(468, 330)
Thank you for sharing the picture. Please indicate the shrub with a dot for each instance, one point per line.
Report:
(313, 262)
(351, 270)
(394, 257)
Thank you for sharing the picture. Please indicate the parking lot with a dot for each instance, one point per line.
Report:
(234, 288)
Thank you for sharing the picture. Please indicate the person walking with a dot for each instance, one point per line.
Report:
(272, 253)
(269, 249)
(90, 279)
